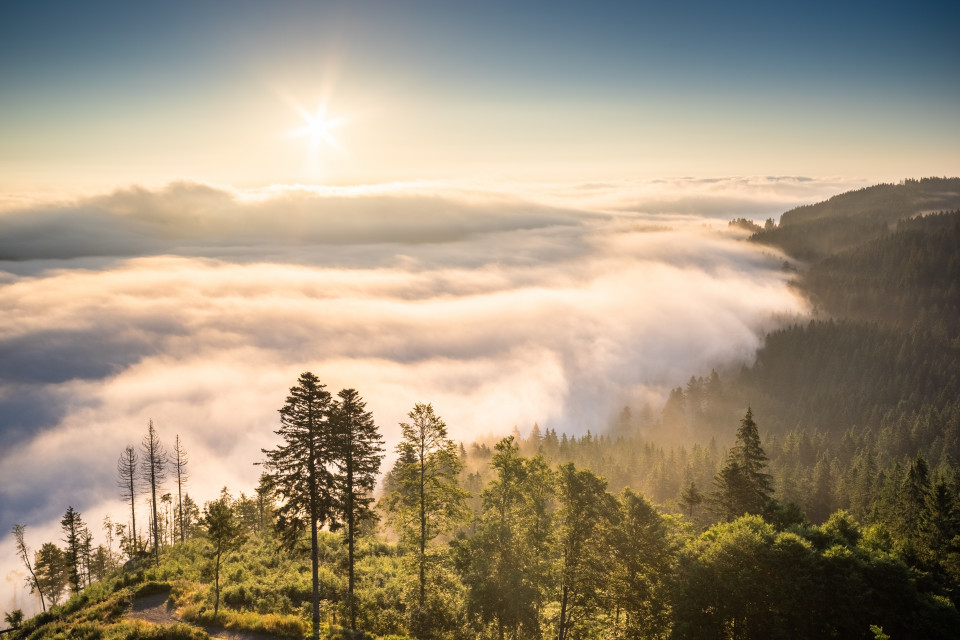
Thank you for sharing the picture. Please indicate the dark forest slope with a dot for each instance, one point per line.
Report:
(812, 232)
(886, 290)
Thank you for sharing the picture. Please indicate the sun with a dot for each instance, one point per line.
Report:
(318, 127)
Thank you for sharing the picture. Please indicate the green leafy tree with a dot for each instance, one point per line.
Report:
(743, 485)
(359, 450)
(14, 618)
(494, 562)
(153, 473)
(23, 552)
(300, 473)
(50, 566)
(642, 563)
(225, 534)
(585, 513)
(423, 499)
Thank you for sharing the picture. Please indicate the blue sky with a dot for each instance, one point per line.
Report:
(104, 94)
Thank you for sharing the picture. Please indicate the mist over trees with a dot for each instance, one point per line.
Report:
(813, 493)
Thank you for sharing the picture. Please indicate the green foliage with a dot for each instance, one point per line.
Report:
(14, 618)
(818, 582)
(225, 534)
(743, 485)
(423, 501)
(585, 512)
(50, 565)
(359, 450)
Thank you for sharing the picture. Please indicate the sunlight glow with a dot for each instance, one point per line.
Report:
(318, 127)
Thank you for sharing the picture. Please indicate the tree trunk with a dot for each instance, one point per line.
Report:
(562, 631)
(423, 533)
(180, 501)
(350, 536)
(156, 523)
(133, 518)
(216, 587)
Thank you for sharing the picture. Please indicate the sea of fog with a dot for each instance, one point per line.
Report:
(198, 306)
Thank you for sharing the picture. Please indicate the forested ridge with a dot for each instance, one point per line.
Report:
(813, 493)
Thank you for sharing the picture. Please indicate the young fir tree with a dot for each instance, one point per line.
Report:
(742, 485)
(359, 450)
(153, 473)
(423, 498)
(225, 534)
(73, 526)
(691, 498)
(265, 499)
(299, 473)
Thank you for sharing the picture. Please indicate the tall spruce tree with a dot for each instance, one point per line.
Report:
(153, 473)
(359, 450)
(73, 527)
(423, 499)
(300, 473)
(127, 479)
(743, 485)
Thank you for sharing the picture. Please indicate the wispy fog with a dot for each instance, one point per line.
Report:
(198, 307)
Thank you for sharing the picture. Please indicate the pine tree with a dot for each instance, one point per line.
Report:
(299, 472)
(73, 527)
(691, 498)
(265, 499)
(742, 485)
(359, 450)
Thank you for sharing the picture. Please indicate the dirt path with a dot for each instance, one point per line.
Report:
(153, 608)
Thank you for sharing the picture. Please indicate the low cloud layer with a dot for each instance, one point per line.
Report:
(198, 308)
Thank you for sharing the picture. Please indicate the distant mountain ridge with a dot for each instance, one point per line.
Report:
(815, 231)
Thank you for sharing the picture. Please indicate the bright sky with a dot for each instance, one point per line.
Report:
(101, 95)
